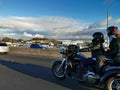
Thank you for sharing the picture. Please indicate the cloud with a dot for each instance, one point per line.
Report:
(116, 20)
(32, 36)
(101, 24)
(18, 22)
(51, 27)
(28, 35)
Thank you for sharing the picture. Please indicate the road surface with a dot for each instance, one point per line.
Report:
(19, 72)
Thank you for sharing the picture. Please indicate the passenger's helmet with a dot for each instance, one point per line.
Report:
(98, 36)
(112, 30)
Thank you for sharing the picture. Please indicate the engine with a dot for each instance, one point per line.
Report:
(90, 77)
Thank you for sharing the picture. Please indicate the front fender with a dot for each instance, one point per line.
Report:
(109, 73)
(56, 61)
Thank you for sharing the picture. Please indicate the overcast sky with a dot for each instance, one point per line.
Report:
(58, 19)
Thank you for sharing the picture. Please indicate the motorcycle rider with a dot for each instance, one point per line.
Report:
(97, 52)
(114, 45)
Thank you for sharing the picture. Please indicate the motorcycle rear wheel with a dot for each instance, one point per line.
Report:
(113, 83)
(59, 74)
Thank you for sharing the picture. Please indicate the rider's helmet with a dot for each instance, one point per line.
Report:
(112, 30)
(98, 36)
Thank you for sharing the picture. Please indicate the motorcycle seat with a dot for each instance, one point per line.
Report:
(112, 62)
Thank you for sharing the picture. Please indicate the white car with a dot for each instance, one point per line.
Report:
(4, 48)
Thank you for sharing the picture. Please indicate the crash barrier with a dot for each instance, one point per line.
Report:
(35, 51)
(54, 52)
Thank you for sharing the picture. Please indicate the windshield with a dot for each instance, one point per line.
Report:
(3, 44)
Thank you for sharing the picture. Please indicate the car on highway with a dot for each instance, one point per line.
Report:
(4, 48)
(35, 45)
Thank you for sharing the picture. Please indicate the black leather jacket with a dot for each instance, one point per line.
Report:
(96, 48)
(114, 49)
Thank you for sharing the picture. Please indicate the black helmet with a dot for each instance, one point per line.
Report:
(112, 30)
(98, 35)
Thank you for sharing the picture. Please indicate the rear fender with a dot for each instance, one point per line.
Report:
(115, 71)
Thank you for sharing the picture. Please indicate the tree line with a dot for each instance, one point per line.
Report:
(12, 40)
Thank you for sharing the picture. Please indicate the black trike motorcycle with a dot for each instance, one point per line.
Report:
(65, 68)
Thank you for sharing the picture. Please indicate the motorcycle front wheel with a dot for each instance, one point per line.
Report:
(58, 70)
(113, 83)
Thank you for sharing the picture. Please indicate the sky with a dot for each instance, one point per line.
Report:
(57, 19)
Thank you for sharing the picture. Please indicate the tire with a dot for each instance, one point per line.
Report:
(113, 83)
(58, 74)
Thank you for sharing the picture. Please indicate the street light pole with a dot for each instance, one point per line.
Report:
(107, 20)
(107, 2)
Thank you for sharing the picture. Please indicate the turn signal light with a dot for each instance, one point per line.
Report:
(118, 74)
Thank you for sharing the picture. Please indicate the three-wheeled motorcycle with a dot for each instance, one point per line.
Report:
(110, 77)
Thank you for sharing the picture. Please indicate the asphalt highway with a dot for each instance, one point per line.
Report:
(20, 72)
